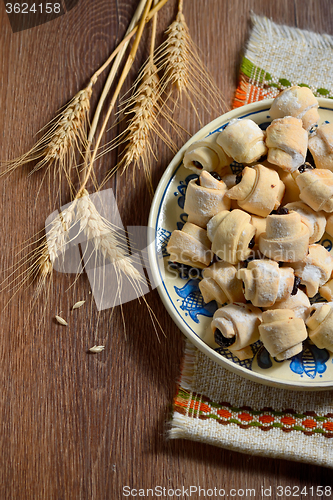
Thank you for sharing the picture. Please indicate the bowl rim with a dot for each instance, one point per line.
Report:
(243, 111)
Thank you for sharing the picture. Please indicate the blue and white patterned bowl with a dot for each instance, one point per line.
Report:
(312, 369)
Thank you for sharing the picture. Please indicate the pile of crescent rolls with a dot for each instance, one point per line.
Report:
(255, 235)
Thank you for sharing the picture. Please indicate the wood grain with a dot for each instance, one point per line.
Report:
(73, 425)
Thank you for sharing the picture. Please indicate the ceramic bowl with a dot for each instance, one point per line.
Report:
(312, 369)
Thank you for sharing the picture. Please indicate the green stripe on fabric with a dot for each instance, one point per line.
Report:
(249, 69)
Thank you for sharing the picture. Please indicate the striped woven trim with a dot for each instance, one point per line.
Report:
(190, 404)
(255, 84)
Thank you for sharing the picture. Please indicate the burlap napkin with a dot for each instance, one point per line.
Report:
(213, 405)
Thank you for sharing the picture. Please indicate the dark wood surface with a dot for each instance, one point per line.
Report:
(73, 425)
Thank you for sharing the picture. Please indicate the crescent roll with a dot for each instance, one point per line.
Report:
(243, 140)
(232, 235)
(286, 238)
(316, 189)
(329, 225)
(259, 192)
(292, 190)
(299, 303)
(190, 246)
(298, 102)
(207, 155)
(315, 270)
(260, 226)
(316, 221)
(320, 325)
(287, 143)
(265, 282)
(326, 290)
(235, 326)
(321, 146)
(220, 283)
(282, 333)
(204, 200)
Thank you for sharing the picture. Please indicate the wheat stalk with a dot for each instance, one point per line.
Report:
(105, 241)
(104, 237)
(67, 132)
(38, 262)
(142, 128)
(183, 69)
(64, 134)
(122, 78)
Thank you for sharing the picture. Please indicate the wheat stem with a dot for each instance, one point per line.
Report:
(113, 71)
(153, 34)
(122, 78)
(180, 6)
(148, 17)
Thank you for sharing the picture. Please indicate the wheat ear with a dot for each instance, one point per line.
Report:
(89, 167)
(106, 242)
(40, 256)
(143, 127)
(104, 236)
(183, 69)
(64, 134)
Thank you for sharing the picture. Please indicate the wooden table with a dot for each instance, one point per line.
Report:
(79, 426)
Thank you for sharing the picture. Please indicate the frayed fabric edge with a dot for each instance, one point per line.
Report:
(189, 366)
(264, 28)
(179, 430)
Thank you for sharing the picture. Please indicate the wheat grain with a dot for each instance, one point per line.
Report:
(78, 304)
(61, 321)
(97, 348)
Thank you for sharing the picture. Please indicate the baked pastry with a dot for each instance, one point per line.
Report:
(220, 283)
(260, 225)
(190, 246)
(326, 290)
(265, 282)
(320, 325)
(206, 154)
(235, 326)
(329, 225)
(287, 143)
(282, 333)
(205, 198)
(232, 235)
(286, 238)
(315, 270)
(321, 146)
(316, 189)
(259, 192)
(299, 303)
(243, 140)
(298, 102)
(291, 193)
(316, 221)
